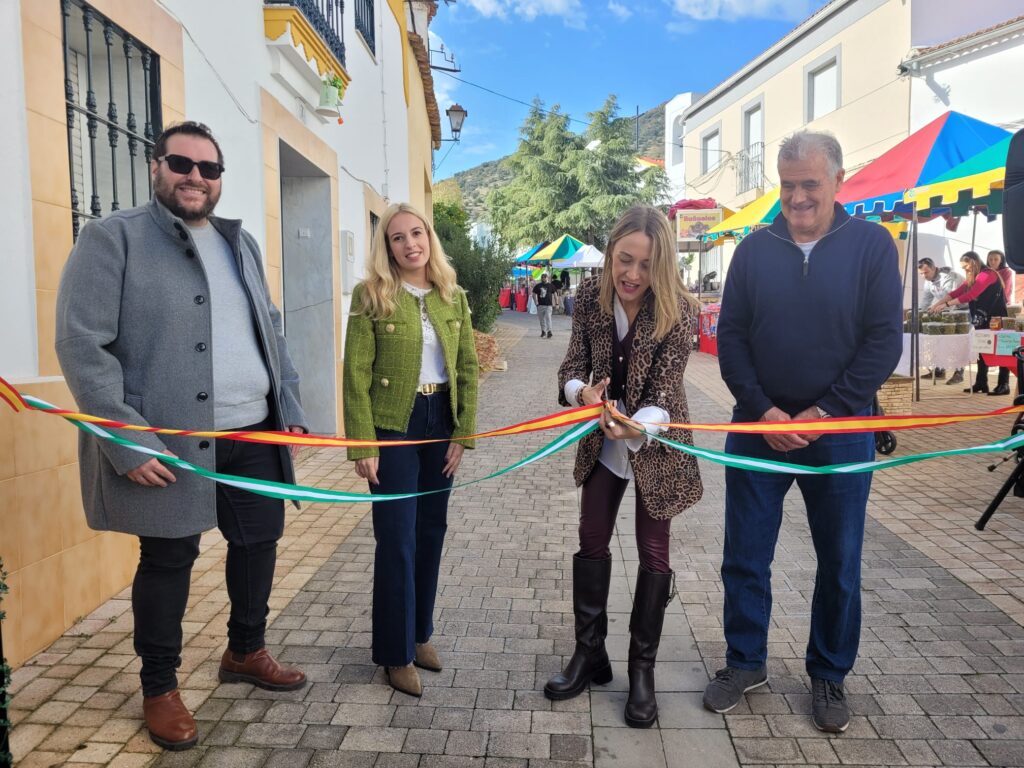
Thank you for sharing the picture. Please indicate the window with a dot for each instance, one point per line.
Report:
(112, 93)
(710, 151)
(822, 90)
(364, 22)
(750, 168)
(677, 139)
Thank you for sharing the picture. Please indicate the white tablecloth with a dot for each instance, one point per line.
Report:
(950, 352)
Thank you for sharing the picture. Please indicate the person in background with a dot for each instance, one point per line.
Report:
(983, 292)
(630, 342)
(410, 374)
(544, 292)
(810, 327)
(997, 260)
(938, 282)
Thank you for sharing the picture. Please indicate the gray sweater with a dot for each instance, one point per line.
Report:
(240, 380)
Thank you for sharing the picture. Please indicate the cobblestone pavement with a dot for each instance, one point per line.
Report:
(938, 681)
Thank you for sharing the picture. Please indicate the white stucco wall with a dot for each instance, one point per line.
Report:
(372, 144)
(18, 356)
(674, 155)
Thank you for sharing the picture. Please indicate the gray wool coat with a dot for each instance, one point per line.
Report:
(133, 314)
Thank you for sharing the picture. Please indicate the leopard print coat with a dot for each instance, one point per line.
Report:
(667, 480)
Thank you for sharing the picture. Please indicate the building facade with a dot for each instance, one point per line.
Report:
(839, 71)
(89, 84)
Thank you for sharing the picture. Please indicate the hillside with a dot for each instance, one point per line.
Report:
(477, 181)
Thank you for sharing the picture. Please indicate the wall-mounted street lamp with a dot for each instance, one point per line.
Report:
(456, 117)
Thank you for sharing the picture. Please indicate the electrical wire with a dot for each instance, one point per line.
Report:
(209, 63)
(445, 157)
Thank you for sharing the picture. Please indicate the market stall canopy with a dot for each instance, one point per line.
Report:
(879, 187)
(758, 213)
(976, 182)
(698, 204)
(562, 248)
(586, 257)
(526, 256)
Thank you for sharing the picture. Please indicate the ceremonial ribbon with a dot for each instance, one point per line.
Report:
(570, 417)
(570, 437)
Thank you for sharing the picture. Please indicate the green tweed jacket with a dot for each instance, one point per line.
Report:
(382, 367)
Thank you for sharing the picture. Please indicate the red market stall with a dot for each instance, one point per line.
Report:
(707, 329)
(505, 298)
(996, 348)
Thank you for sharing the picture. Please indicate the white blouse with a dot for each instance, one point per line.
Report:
(614, 453)
(432, 367)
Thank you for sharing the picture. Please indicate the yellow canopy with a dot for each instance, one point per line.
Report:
(760, 211)
(979, 184)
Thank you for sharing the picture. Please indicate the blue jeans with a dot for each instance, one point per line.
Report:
(410, 533)
(835, 514)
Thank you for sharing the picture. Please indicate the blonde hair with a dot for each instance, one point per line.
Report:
(383, 277)
(667, 286)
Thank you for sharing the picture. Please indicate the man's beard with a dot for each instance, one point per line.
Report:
(164, 192)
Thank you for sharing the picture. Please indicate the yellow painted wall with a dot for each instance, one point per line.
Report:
(419, 142)
(60, 570)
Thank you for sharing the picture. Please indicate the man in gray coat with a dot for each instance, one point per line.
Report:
(164, 318)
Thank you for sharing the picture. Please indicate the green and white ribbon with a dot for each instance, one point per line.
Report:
(785, 467)
(308, 493)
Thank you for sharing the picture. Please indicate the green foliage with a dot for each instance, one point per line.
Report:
(481, 269)
(477, 182)
(565, 182)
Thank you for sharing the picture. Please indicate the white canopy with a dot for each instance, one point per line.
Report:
(585, 258)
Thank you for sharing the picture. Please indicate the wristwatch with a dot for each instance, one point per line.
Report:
(823, 414)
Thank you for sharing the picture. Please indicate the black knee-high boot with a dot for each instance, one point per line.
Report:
(589, 662)
(653, 592)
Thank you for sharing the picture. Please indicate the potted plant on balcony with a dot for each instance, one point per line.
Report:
(332, 90)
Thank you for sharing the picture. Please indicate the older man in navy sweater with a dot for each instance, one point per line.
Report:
(810, 327)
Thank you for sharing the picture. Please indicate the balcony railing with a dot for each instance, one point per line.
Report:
(325, 16)
(750, 167)
(364, 22)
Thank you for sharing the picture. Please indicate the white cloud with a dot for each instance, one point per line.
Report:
(731, 10)
(570, 10)
(619, 10)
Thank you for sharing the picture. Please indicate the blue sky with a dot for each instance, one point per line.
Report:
(575, 52)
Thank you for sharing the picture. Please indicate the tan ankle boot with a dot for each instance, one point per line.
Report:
(405, 679)
(427, 657)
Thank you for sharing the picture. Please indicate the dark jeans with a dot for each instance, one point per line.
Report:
(410, 532)
(251, 524)
(599, 506)
(835, 513)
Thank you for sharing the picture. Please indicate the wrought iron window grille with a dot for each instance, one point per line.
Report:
(122, 73)
(750, 167)
(364, 22)
(326, 17)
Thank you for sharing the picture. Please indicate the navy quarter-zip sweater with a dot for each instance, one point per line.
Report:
(825, 330)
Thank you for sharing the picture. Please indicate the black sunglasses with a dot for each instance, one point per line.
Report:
(208, 169)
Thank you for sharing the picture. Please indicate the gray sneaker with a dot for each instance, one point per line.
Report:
(828, 702)
(727, 689)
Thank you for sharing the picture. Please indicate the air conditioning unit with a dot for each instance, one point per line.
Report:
(347, 241)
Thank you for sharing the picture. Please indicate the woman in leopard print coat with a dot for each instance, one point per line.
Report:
(631, 336)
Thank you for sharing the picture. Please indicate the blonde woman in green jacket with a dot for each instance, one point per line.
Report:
(410, 374)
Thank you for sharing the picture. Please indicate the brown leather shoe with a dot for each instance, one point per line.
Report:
(405, 679)
(261, 669)
(169, 722)
(427, 657)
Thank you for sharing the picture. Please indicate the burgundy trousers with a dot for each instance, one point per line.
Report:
(602, 495)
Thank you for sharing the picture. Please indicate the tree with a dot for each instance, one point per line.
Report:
(570, 183)
(481, 268)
